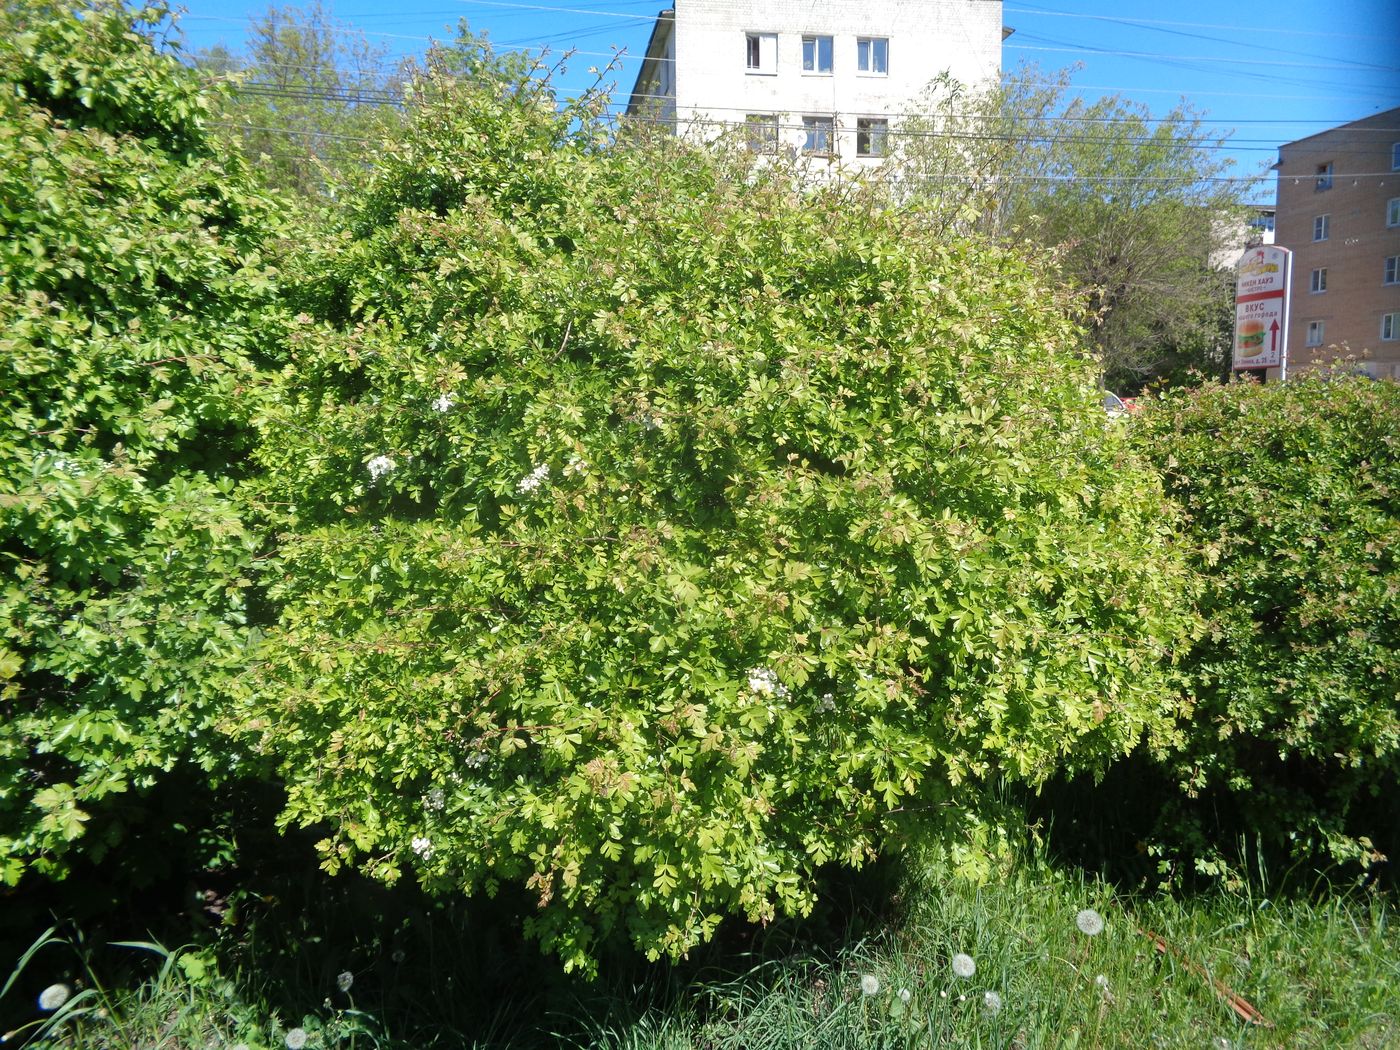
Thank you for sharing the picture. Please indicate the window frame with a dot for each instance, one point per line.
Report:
(1392, 213)
(876, 139)
(815, 40)
(1322, 223)
(1317, 331)
(1392, 270)
(812, 123)
(765, 123)
(868, 44)
(1390, 321)
(1324, 177)
(755, 39)
(1395, 156)
(1317, 280)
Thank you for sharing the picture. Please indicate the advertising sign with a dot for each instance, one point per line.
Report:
(1262, 278)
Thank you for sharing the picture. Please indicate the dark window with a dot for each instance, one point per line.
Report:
(871, 136)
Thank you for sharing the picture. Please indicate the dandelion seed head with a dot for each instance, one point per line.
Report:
(54, 996)
(1101, 982)
(296, 1039)
(991, 1002)
(963, 966)
(869, 984)
(1089, 922)
(905, 995)
(344, 981)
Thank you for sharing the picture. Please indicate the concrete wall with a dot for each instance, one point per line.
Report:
(1358, 240)
(926, 38)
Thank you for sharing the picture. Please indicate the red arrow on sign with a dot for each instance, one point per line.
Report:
(1273, 337)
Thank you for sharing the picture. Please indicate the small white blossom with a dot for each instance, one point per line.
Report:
(434, 799)
(963, 966)
(1089, 922)
(764, 682)
(905, 995)
(991, 1002)
(423, 846)
(533, 480)
(575, 466)
(344, 981)
(377, 467)
(54, 996)
(443, 402)
(869, 984)
(296, 1039)
(476, 759)
(827, 704)
(1101, 982)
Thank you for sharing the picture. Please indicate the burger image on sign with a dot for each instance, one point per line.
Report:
(1251, 338)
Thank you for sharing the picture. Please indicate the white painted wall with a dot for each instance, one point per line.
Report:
(926, 38)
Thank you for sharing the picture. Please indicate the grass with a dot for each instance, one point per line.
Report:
(1321, 973)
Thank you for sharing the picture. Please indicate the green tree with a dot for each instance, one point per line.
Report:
(310, 99)
(133, 297)
(658, 529)
(1131, 205)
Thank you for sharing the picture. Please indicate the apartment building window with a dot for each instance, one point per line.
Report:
(1324, 176)
(1395, 157)
(873, 55)
(819, 135)
(761, 52)
(1319, 280)
(871, 136)
(1392, 212)
(816, 54)
(1390, 327)
(761, 130)
(1392, 269)
(1314, 333)
(1322, 226)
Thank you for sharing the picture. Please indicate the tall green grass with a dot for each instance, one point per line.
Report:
(1322, 973)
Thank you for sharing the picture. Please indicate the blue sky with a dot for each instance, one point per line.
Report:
(1271, 72)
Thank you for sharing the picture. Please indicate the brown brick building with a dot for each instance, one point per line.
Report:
(1339, 213)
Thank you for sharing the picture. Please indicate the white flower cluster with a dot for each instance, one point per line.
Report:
(826, 704)
(443, 402)
(476, 760)
(379, 466)
(533, 480)
(423, 846)
(764, 682)
(434, 799)
(575, 466)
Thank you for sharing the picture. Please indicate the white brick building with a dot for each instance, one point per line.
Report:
(823, 77)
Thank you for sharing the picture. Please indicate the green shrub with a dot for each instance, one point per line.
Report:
(1293, 498)
(130, 280)
(658, 529)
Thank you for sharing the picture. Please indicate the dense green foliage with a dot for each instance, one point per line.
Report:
(657, 530)
(130, 289)
(1292, 495)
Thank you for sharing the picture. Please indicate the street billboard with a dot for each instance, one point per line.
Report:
(1262, 279)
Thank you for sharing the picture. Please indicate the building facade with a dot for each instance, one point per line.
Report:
(1338, 211)
(826, 78)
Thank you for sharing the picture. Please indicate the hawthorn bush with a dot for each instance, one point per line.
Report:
(131, 292)
(656, 529)
(1292, 497)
